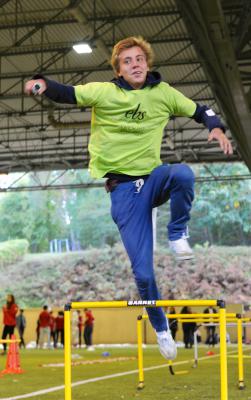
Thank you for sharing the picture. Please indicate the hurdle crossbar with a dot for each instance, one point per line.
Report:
(142, 303)
(199, 315)
(2, 341)
(145, 303)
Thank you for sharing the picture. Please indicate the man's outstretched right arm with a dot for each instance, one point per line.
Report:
(53, 90)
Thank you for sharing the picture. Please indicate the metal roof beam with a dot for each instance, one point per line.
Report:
(173, 83)
(28, 35)
(206, 23)
(36, 24)
(243, 28)
(98, 18)
(94, 68)
(62, 47)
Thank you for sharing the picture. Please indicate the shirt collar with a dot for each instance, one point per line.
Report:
(153, 78)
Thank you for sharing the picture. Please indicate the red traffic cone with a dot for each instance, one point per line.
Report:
(210, 353)
(13, 359)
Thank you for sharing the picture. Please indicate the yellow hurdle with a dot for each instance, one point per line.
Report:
(238, 320)
(221, 317)
(143, 303)
(223, 353)
(240, 354)
(230, 317)
(67, 351)
(140, 353)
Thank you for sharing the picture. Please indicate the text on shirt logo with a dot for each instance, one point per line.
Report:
(135, 113)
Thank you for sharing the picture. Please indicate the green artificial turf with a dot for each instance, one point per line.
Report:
(202, 383)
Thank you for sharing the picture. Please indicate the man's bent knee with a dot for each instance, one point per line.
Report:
(182, 173)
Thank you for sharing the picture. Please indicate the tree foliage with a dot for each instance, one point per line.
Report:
(221, 213)
(222, 210)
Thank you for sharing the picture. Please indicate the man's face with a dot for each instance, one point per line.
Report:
(133, 66)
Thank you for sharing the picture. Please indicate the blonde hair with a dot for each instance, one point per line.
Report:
(127, 44)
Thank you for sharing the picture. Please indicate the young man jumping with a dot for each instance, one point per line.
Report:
(128, 117)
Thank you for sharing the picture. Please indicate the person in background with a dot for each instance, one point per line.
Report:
(44, 328)
(211, 338)
(53, 328)
(37, 333)
(88, 330)
(188, 329)
(173, 323)
(74, 328)
(129, 115)
(80, 327)
(10, 310)
(21, 325)
(60, 328)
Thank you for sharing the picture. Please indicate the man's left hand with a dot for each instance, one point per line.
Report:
(224, 142)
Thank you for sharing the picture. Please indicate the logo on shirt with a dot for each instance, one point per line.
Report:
(135, 113)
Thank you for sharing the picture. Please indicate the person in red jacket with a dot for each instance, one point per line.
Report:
(9, 319)
(44, 328)
(89, 318)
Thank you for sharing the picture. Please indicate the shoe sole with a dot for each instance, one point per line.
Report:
(182, 258)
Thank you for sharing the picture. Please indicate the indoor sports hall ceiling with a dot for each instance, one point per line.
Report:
(202, 48)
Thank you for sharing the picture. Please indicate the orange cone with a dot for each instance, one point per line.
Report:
(13, 359)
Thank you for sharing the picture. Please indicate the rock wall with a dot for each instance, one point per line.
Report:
(105, 274)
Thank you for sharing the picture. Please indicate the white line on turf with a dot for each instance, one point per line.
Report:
(101, 378)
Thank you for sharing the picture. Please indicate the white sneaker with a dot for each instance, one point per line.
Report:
(167, 345)
(90, 348)
(181, 249)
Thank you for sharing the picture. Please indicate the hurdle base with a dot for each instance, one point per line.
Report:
(171, 369)
(241, 385)
(140, 386)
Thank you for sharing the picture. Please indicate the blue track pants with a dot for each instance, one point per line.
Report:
(132, 204)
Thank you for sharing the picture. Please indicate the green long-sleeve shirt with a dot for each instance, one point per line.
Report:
(127, 125)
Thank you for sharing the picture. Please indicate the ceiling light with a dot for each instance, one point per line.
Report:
(81, 48)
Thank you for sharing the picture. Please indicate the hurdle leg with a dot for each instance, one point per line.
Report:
(67, 351)
(140, 353)
(223, 351)
(195, 365)
(240, 353)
